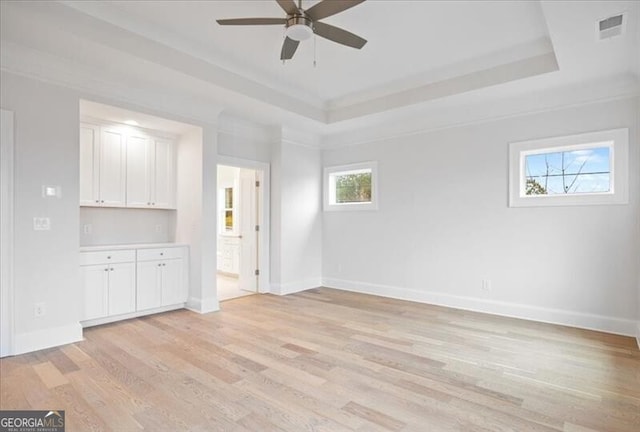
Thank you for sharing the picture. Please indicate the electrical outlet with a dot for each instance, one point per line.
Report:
(486, 285)
(39, 309)
(87, 228)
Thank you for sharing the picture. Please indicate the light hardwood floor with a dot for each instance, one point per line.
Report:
(326, 360)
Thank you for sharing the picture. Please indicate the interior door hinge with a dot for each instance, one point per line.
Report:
(257, 227)
(257, 183)
(257, 272)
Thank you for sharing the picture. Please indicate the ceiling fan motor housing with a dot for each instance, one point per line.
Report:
(299, 27)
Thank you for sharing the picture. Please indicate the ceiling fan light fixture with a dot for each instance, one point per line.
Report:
(299, 28)
(299, 32)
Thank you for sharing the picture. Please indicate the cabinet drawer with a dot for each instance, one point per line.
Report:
(231, 241)
(160, 253)
(105, 257)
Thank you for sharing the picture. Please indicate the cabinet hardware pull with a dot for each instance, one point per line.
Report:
(109, 257)
(97, 201)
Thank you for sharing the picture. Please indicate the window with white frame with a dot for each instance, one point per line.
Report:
(351, 187)
(585, 169)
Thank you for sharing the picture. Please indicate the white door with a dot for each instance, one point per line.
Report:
(89, 164)
(164, 167)
(113, 173)
(122, 288)
(6, 232)
(149, 285)
(95, 283)
(248, 280)
(139, 170)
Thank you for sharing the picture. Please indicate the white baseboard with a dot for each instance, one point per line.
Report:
(203, 306)
(47, 338)
(294, 287)
(122, 317)
(514, 310)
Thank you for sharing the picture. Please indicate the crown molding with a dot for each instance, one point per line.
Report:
(463, 112)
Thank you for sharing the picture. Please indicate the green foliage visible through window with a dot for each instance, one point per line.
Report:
(353, 188)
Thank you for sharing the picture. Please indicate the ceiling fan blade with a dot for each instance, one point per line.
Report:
(252, 21)
(289, 48)
(327, 8)
(289, 6)
(338, 35)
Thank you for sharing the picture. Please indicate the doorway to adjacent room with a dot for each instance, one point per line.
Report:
(241, 229)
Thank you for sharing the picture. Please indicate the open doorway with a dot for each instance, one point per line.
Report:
(240, 218)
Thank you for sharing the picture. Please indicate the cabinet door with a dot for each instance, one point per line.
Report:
(140, 157)
(122, 288)
(173, 286)
(89, 165)
(113, 173)
(164, 186)
(149, 285)
(94, 289)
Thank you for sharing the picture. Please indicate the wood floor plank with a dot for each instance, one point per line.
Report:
(50, 375)
(328, 360)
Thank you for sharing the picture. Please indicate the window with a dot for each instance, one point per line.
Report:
(228, 209)
(351, 187)
(583, 169)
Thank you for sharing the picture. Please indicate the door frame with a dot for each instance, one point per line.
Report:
(7, 144)
(264, 211)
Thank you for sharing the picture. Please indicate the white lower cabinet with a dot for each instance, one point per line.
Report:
(229, 258)
(124, 281)
(161, 278)
(109, 285)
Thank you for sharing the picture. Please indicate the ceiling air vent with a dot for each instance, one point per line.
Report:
(611, 27)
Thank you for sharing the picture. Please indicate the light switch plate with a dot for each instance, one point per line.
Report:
(51, 191)
(41, 224)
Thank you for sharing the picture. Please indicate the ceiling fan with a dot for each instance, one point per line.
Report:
(300, 24)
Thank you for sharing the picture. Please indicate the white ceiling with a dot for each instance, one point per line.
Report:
(419, 55)
(405, 39)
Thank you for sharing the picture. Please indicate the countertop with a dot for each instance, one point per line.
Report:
(130, 246)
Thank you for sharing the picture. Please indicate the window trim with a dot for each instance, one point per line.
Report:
(616, 139)
(329, 171)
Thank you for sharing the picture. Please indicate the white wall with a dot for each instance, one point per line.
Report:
(45, 262)
(123, 226)
(244, 147)
(196, 213)
(443, 225)
(638, 229)
(227, 176)
(296, 227)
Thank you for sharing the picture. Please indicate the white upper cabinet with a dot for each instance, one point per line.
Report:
(89, 165)
(102, 167)
(164, 185)
(113, 163)
(150, 172)
(124, 167)
(139, 170)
